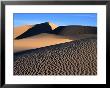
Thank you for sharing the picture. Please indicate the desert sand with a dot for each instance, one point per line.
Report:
(38, 41)
(45, 39)
(21, 29)
(72, 58)
(46, 49)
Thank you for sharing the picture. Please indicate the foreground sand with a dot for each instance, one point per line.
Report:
(72, 58)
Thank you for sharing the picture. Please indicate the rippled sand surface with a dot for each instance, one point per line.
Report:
(72, 58)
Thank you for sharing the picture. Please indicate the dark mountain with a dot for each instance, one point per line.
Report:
(75, 30)
(36, 29)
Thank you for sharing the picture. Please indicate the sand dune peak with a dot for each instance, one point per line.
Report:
(53, 26)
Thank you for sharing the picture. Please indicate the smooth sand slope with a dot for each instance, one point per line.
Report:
(72, 58)
(38, 41)
(21, 29)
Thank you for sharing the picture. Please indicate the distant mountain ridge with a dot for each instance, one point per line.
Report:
(51, 28)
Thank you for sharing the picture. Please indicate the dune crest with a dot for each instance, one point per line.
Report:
(53, 26)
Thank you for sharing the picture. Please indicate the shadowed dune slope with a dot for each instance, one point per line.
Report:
(75, 30)
(37, 29)
(73, 58)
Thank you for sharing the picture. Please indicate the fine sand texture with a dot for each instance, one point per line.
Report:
(77, 57)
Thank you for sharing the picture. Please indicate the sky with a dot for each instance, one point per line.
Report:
(60, 19)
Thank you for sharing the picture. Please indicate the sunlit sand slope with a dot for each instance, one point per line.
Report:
(38, 41)
(20, 30)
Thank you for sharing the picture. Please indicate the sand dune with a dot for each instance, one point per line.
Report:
(41, 40)
(37, 36)
(72, 58)
(21, 29)
(46, 27)
(45, 49)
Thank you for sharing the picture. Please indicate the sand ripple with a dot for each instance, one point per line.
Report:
(73, 58)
